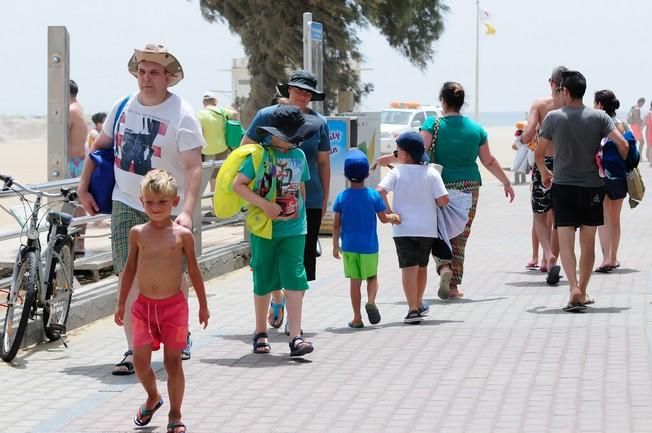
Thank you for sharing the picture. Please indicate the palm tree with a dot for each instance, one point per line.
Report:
(272, 33)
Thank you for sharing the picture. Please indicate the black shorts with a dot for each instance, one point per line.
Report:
(415, 251)
(615, 189)
(576, 206)
(541, 200)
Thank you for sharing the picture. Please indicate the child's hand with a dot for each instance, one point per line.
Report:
(336, 251)
(272, 210)
(395, 218)
(119, 315)
(204, 315)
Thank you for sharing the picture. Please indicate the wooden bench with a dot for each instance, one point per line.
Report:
(95, 263)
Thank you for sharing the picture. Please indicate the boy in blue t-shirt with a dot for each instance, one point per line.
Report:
(279, 191)
(355, 211)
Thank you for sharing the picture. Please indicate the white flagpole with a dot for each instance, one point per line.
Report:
(477, 61)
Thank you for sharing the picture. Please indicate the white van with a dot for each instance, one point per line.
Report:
(401, 117)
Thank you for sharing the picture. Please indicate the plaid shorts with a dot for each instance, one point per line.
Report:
(123, 218)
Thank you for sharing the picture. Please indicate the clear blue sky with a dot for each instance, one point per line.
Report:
(604, 39)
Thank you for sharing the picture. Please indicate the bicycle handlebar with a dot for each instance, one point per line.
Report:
(69, 195)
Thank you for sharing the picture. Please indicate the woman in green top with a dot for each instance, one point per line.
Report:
(459, 143)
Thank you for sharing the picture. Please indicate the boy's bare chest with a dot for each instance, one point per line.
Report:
(160, 246)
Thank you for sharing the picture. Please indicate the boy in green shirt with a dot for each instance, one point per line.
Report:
(280, 193)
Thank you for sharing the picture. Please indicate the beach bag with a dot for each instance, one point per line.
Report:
(102, 179)
(233, 131)
(635, 187)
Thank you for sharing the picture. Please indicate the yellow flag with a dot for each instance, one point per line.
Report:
(489, 29)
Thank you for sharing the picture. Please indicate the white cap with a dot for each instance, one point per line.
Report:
(209, 95)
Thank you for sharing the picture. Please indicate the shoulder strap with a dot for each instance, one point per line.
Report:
(435, 135)
(219, 112)
(118, 112)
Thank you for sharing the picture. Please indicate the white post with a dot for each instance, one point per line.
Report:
(477, 60)
(307, 43)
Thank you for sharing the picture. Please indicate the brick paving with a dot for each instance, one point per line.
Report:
(503, 359)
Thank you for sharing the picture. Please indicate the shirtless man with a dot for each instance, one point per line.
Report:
(541, 197)
(636, 123)
(77, 133)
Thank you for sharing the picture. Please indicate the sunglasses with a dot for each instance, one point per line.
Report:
(560, 89)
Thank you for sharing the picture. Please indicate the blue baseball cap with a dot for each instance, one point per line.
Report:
(412, 143)
(356, 165)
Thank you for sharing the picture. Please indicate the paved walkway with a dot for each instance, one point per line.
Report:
(503, 359)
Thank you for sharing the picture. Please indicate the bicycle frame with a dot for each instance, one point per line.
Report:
(43, 255)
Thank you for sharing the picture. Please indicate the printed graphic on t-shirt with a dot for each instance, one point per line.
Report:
(288, 173)
(135, 145)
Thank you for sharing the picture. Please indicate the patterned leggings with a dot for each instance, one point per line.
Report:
(459, 242)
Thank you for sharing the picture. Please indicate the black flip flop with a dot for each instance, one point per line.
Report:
(604, 269)
(372, 313)
(124, 363)
(143, 413)
(553, 275)
(574, 308)
(175, 425)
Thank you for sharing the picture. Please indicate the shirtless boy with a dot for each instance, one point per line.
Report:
(77, 132)
(160, 313)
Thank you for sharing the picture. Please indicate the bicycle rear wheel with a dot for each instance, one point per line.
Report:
(58, 290)
(19, 304)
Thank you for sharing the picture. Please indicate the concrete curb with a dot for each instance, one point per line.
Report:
(98, 300)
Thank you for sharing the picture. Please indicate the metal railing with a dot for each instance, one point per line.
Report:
(198, 227)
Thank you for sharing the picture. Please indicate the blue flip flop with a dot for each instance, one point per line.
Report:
(144, 415)
(275, 319)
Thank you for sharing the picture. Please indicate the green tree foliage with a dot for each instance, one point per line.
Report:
(272, 36)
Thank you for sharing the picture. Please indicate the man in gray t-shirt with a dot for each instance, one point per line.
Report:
(575, 132)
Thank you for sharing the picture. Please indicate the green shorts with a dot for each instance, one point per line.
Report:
(278, 263)
(360, 266)
(123, 218)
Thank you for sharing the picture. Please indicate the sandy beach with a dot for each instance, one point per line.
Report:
(23, 146)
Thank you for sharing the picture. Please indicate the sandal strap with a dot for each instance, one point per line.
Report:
(259, 336)
(175, 425)
(295, 343)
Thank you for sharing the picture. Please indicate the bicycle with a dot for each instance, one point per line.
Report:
(41, 278)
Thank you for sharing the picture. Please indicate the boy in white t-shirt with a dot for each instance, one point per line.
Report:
(418, 190)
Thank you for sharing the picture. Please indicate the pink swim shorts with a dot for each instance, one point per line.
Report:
(156, 321)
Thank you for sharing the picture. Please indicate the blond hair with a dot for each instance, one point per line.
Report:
(159, 182)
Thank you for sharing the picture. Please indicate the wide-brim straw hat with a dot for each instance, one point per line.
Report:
(157, 53)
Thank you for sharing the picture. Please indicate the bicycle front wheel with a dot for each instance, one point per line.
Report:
(58, 290)
(19, 303)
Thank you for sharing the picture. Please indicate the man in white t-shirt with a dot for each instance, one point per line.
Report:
(156, 129)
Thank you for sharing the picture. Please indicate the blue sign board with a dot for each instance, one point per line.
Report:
(316, 31)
